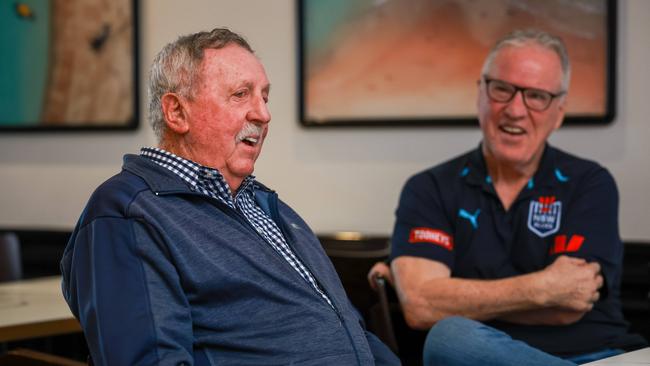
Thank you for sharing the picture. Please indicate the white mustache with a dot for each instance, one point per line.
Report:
(250, 129)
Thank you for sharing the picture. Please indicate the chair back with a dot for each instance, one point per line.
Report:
(635, 286)
(381, 315)
(10, 259)
(353, 254)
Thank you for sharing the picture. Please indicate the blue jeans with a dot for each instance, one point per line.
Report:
(457, 341)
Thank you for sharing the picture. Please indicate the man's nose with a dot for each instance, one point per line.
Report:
(517, 107)
(259, 111)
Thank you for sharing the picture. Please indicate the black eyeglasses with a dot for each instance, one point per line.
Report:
(535, 99)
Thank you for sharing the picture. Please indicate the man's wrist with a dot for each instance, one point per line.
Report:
(537, 286)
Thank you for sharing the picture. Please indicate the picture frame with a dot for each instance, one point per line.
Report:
(417, 62)
(69, 65)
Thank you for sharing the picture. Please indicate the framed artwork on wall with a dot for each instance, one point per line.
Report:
(68, 65)
(417, 62)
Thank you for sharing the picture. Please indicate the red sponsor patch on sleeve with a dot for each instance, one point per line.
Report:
(561, 246)
(427, 235)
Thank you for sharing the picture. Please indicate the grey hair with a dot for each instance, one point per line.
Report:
(519, 38)
(175, 69)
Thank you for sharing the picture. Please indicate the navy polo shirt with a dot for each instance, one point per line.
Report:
(452, 214)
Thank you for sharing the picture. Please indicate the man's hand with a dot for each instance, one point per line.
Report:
(380, 269)
(571, 283)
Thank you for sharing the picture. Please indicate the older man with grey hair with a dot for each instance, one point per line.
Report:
(184, 258)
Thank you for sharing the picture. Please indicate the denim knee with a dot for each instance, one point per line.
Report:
(450, 332)
(458, 341)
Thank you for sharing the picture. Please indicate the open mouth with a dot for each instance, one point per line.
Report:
(250, 141)
(512, 130)
(251, 134)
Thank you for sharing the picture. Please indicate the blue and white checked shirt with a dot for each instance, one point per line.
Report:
(211, 183)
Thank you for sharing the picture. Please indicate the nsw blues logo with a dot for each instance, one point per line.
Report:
(544, 216)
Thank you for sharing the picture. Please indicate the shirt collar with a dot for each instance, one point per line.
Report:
(475, 170)
(197, 176)
(187, 170)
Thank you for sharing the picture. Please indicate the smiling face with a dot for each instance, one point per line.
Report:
(228, 118)
(514, 135)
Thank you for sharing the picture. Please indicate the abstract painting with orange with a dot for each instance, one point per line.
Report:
(368, 60)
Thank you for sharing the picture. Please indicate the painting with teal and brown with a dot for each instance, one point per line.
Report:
(24, 45)
(68, 64)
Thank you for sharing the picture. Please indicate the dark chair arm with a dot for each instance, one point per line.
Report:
(385, 330)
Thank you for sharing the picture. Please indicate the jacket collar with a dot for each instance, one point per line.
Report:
(161, 180)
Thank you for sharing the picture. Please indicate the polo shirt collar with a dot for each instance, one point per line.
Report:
(476, 173)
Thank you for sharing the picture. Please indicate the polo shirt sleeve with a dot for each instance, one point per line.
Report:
(422, 228)
(589, 228)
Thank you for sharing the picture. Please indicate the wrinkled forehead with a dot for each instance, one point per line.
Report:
(232, 63)
(529, 65)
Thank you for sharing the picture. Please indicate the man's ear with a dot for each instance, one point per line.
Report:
(560, 117)
(175, 113)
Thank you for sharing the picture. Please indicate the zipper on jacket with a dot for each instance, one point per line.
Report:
(275, 216)
(273, 206)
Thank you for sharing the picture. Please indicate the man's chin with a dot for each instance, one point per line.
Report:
(243, 170)
(511, 156)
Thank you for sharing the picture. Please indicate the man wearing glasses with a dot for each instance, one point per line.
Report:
(512, 250)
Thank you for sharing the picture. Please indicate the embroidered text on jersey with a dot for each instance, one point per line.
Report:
(427, 235)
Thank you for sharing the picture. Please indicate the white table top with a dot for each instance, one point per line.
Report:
(635, 358)
(34, 308)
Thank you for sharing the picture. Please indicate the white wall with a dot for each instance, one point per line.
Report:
(338, 179)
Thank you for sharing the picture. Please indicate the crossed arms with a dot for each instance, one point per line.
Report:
(559, 294)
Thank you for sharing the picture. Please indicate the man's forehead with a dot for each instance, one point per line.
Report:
(531, 62)
(231, 55)
(531, 51)
(234, 62)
